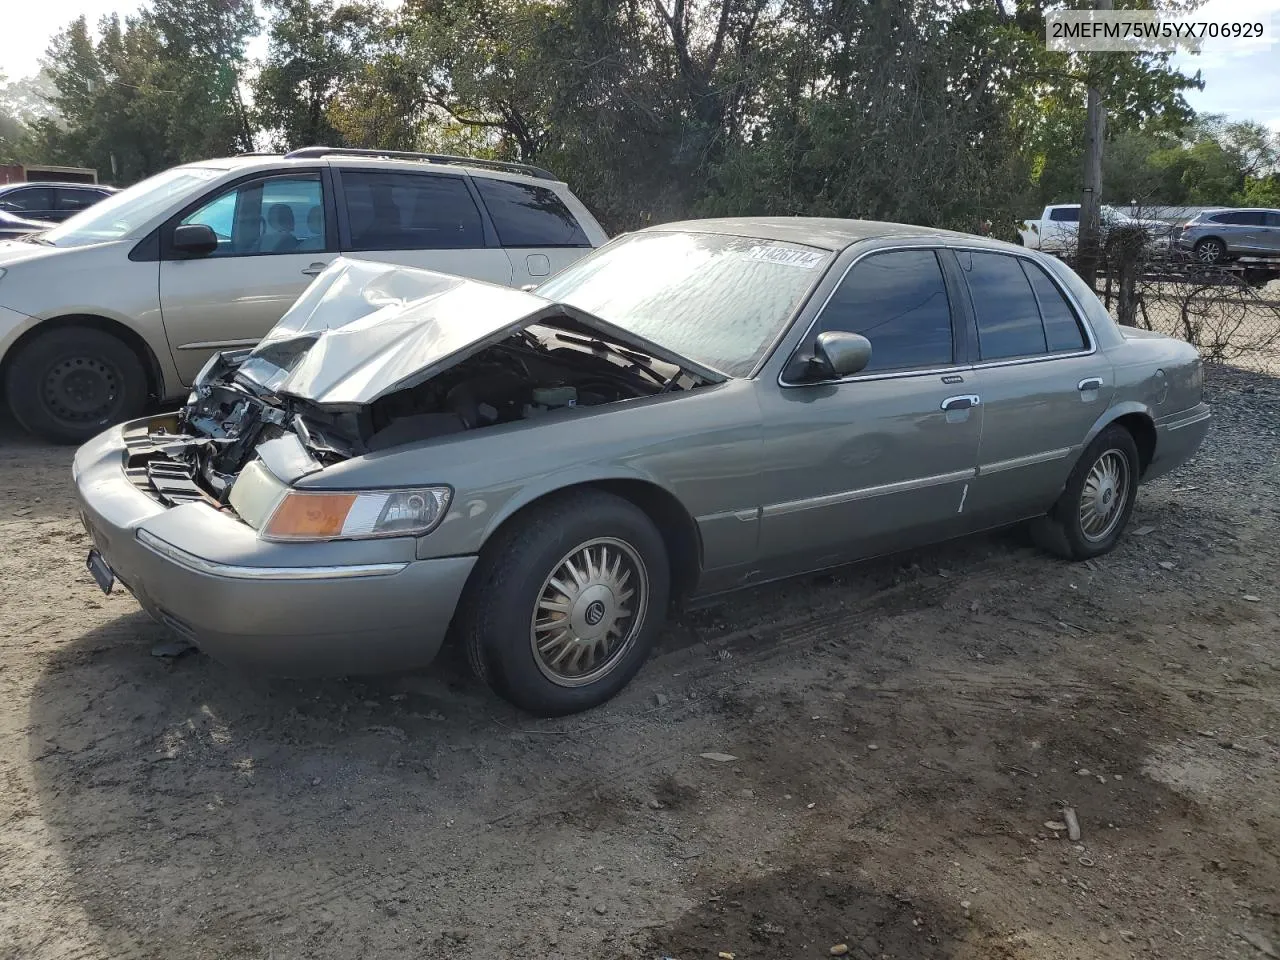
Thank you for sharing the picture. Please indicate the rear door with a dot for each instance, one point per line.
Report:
(538, 231)
(1234, 227)
(1253, 240)
(1042, 382)
(1271, 234)
(275, 233)
(429, 220)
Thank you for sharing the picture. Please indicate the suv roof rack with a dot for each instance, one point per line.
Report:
(523, 168)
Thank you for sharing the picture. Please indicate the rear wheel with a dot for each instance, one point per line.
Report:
(70, 383)
(1098, 500)
(1210, 250)
(564, 607)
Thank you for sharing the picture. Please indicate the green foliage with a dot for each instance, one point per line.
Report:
(316, 51)
(941, 112)
(1261, 191)
(150, 91)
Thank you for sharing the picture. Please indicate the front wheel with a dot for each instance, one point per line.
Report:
(564, 607)
(1098, 500)
(71, 383)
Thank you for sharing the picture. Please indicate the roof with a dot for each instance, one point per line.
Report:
(249, 162)
(828, 233)
(57, 183)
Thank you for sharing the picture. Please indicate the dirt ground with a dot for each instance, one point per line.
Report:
(903, 730)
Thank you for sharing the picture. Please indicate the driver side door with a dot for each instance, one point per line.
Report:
(275, 233)
(880, 460)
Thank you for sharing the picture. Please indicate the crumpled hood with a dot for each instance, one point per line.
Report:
(365, 329)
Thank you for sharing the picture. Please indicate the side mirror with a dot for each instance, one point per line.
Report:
(840, 354)
(195, 239)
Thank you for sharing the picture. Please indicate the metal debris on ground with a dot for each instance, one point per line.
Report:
(172, 649)
(1073, 824)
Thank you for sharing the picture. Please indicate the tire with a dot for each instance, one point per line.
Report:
(71, 383)
(1069, 530)
(513, 580)
(1210, 250)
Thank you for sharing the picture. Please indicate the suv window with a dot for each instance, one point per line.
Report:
(1065, 214)
(898, 301)
(276, 215)
(1061, 328)
(410, 211)
(27, 200)
(1273, 219)
(529, 216)
(1240, 218)
(1007, 312)
(74, 200)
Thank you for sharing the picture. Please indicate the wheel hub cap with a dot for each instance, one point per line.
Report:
(589, 612)
(1102, 500)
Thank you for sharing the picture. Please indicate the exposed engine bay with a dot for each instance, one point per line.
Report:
(536, 372)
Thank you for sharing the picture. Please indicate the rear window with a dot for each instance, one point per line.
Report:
(1061, 328)
(1007, 311)
(69, 198)
(1239, 218)
(529, 216)
(410, 211)
(1065, 214)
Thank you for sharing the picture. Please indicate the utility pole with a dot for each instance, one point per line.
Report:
(1087, 253)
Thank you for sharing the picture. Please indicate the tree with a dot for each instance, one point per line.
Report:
(316, 53)
(150, 91)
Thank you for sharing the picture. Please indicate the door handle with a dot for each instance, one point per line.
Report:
(1089, 383)
(314, 269)
(963, 402)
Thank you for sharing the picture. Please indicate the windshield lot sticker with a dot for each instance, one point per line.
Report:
(789, 256)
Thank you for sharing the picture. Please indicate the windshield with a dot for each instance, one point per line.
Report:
(718, 300)
(123, 213)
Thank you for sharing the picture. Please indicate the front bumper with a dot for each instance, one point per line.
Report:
(312, 609)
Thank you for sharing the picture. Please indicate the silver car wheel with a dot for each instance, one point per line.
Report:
(589, 612)
(1209, 251)
(1102, 500)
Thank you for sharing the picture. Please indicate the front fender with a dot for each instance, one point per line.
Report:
(560, 480)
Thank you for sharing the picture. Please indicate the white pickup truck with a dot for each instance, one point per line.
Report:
(1058, 228)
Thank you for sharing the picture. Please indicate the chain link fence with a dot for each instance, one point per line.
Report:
(1230, 312)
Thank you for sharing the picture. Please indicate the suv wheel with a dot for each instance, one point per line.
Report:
(70, 383)
(1210, 250)
(564, 607)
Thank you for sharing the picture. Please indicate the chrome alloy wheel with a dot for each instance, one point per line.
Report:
(1209, 251)
(589, 612)
(1102, 500)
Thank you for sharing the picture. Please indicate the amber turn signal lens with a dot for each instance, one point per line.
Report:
(311, 516)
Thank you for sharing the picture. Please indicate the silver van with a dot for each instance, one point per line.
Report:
(130, 298)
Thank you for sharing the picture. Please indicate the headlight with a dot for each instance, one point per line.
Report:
(353, 516)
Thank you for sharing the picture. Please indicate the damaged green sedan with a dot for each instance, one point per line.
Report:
(692, 409)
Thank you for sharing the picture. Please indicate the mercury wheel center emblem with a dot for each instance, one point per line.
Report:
(594, 613)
